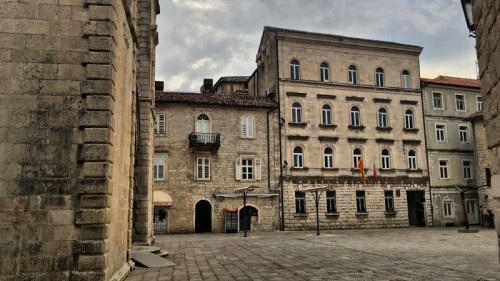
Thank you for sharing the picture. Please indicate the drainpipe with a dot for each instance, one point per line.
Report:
(282, 207)
(426, 152)
(268, 152)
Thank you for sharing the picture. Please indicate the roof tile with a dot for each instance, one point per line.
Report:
(210, 99)
(453, 81)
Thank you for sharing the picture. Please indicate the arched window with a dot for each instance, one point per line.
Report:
(328, 157)
(356, 157)
(324, 72)
(412, 159)
(382, 118)
(405, 79)
(298, 157)
(326, 114)
(352, 75)
(296, 112)
(379, 77)
(203, 128)
(294, 70)
(409, 120)
(355, 116)
(386, 159)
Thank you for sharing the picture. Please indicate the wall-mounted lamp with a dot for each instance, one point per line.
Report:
(467, 7)
(282, 120)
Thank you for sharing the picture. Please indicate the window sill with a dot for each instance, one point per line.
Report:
(297, 124)
(386, 170)
(297, 137)
(384, 129)
(361, 214)
(329, 169)
(332, 215)
(247, 138)
(410, 130)
(356, 128)
(301, 215)
(414, 171)
(328, 126)
(327, 138)
(390, 213)
(299, 169)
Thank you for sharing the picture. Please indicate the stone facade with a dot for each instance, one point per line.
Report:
(487, 25)
(331, 108)
(201, 157)
(448, 101)
(69, 119)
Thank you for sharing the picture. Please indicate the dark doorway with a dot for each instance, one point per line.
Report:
(416, 207)
(251, 215)
(203, 217)
(160, 221)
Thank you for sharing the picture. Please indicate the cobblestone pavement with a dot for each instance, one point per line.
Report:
(372, 254)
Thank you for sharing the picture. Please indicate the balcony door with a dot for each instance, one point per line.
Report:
(203, 128)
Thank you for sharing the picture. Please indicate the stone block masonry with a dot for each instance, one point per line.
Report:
(68, 131)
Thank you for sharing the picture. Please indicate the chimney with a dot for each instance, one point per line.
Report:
(207, 86)
(159, 85)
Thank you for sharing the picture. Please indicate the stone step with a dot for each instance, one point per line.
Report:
(162, 253)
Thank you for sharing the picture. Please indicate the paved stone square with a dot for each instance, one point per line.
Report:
(367, 254)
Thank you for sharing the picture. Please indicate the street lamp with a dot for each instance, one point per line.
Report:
(244, 191)
(316, 193)
(467, 7)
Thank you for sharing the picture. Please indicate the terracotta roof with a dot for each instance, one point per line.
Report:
(210, 99)
(453, 81)
(475, 115)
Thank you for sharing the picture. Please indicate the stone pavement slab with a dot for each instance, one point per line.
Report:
(364, 254)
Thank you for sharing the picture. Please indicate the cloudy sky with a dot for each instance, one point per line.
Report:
(213, 38)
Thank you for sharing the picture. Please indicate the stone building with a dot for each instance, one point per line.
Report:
(447, 102)
(207, 145)
(487, 29)
(75, 126)
(346, 105)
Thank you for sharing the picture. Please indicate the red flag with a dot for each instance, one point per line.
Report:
(374, 168)
(361, 168)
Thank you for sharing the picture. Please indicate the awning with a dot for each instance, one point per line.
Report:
(161, 199)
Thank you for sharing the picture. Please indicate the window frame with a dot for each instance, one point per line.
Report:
(440, 132)
(256, 168)
(467, 169)
(361, 201)
(326, 114)
(324, 72)
(247, 126)
(479, 103)
(385, 159)
(412, 160)
(157, 158)
(382, 118)
(439, 98)
(300, 202)
(460, 101)
(356, 157)
(463, 133)
(328, 158)
(298, 157)
(389, 201)
(379, 77)
(296, 112)
(448, 209)
(405, 79)
(355, 116)
(331, 202)
(409, 118)
(444, 170)
(352, 75)
(294, 69)
(205, 168)
(159, 126)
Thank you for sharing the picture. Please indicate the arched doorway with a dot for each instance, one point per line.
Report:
(203, 217)
(252, 215)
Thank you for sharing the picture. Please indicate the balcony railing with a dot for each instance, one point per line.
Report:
(204, 141)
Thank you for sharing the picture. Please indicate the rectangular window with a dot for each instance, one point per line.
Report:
(247, 126)
(159, 167)
(331, 202)
(300, 202)
(159, 124)
(203, 169)
(448, 209)
(389, 201)
(467, 166)
(248, 168)
(360, 201)
(437, 100)
(463, 133)
(440, 132)
(443, 169)
(479, 103)
(460, 102)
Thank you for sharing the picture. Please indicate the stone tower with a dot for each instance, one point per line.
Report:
(76, 92)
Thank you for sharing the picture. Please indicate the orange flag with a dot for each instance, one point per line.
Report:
(361, 168)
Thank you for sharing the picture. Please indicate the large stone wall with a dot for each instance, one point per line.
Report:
(67, 130)
(487, 23)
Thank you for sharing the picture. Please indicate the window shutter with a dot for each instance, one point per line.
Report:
(250, 127)
(258, 173)
(238, 168)
(161, 124)
(207, 168)
(244, 129)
